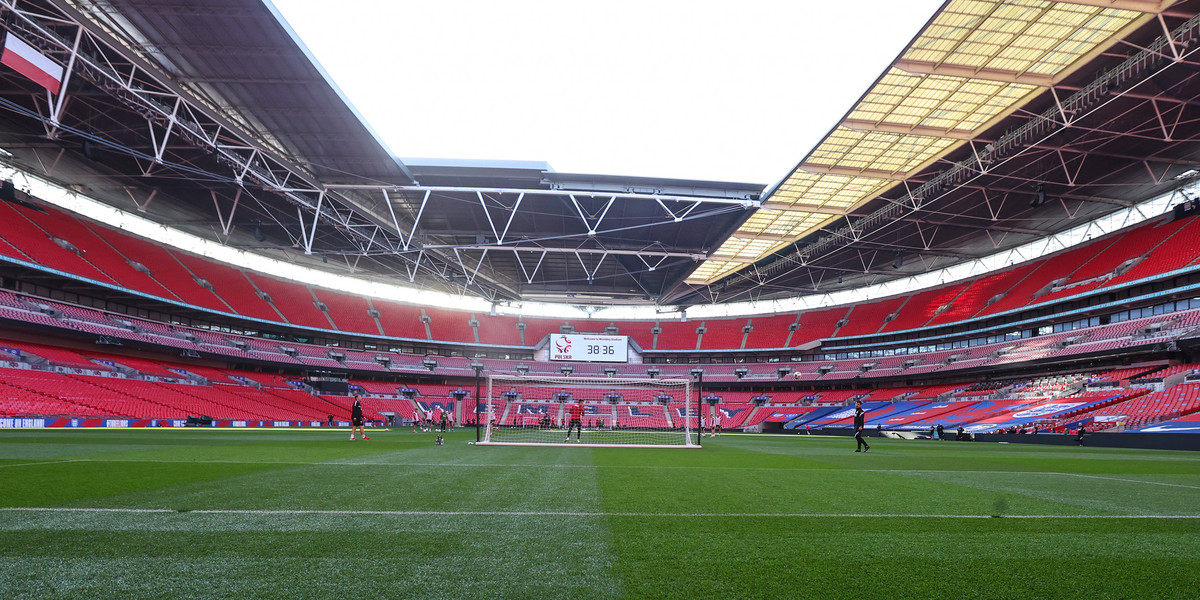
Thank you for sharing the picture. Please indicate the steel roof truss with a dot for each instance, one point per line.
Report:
(462, 264)
(592, 227)
(1167, 134)
(226, 224)
(66, 82)
(678, 217)
(141, 206)
(501, 235)
(529, 275)
(312, 230)
(651, 267)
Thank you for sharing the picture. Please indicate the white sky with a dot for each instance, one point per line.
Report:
(699, 90)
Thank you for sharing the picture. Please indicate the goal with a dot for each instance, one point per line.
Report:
(536, 410)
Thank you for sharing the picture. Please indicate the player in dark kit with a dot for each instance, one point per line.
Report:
(576, 415)
(859, 418)
(357, 420)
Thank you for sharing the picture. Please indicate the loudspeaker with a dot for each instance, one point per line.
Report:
(89, 150)
(8, 191)
(1039, 197)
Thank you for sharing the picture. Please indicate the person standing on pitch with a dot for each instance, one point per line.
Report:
(859, 419)
(576, 415)
(357, 420)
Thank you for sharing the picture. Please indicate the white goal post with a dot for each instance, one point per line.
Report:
(537, 410)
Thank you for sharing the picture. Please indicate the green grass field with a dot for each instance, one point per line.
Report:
(307, 514)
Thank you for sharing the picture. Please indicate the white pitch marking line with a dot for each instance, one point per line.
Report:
(501, 513)
(46, 462)
(1180, 485)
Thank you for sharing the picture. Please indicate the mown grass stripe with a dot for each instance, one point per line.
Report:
(585, 466)
(551, 513)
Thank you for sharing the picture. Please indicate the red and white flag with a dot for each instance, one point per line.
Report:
(26, 60)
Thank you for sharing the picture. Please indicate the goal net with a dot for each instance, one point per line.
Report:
(589, 411)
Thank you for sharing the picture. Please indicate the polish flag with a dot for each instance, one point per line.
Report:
(27, 61)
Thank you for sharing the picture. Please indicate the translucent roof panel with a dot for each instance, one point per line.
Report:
(1018, 36)
(826, 190)
(975, 63)
(932, 103)
(877, 151)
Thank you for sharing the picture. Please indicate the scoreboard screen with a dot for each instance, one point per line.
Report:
(589, 347)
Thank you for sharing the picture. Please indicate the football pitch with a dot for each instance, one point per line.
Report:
(308, 514)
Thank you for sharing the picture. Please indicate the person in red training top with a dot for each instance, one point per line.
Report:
(576, 421)
(356, 419)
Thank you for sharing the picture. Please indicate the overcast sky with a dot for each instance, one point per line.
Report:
(700, 90)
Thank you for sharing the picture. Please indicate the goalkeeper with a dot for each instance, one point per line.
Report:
(576, 416)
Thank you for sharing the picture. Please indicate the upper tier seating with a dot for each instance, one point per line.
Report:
(770, 331)
(401, 320)
(868, 317)
(450, 325)
(349, 313)
(641, 332)
(1180, 247)
(677, 335)
(923, 306)
(294, 301)
(722, 334)
(499, 330)
(115, 258)
(537, 329)
(164, 267)
(231, 285)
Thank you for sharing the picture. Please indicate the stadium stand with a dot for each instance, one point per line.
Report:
(869, 317)
(293, 300)
(723, 334)
(499, 331)
(163, 266)
(641, 332)
(401, 320)
(103, 255)
(536, 330)
(451, 326)
(348, 313)
(921, 307)
(676, 335)
(770, 331)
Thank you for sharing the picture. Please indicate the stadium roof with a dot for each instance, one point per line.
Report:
(973, 64)
(1000, 123)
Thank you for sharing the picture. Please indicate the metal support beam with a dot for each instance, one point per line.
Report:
(1145, 6)
(740, 201)
(804, 208)
(900, 128)
(852, 172)
(921, 67)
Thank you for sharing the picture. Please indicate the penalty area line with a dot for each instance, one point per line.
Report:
(567, 514)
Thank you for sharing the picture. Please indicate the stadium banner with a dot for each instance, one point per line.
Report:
(589, 348)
